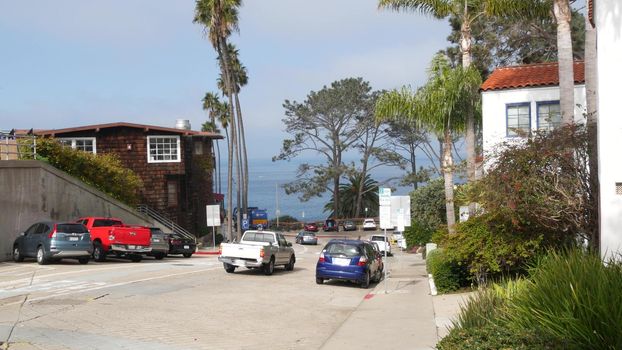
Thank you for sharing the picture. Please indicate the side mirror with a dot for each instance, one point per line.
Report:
(289, 244)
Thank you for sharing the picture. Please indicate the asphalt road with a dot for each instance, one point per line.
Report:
(175, 303)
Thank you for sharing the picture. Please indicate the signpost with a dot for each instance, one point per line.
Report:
(213, 218)
(384, 199)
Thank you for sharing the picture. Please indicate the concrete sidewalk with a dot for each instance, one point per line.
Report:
(403, 317)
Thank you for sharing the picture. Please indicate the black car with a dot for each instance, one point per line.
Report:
(348, 225)
(179, 244)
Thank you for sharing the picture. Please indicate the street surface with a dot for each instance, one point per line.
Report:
(175, 303)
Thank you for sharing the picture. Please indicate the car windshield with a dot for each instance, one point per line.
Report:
(71, 228)
(369, 221)
(377, 238)
(342, 249)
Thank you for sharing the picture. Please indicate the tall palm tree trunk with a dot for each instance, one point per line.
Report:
(469, 138)
(232, 148)
(449, 183)
(562, 12)
(244, 156)
(592, 123)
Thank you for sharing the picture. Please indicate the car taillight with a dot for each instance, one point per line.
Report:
(362, 261)
(322, 259)
(261, 252)
(53, 233)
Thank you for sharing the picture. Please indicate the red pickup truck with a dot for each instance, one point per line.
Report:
(112, 236)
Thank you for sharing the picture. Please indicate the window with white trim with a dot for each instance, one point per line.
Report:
(518, 119)
(86, 144)
(163, 149)
(549, 115)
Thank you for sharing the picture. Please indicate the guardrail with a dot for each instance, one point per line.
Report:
(164, 221)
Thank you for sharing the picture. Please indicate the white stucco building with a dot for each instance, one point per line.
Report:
(606, 15)
(520, 99)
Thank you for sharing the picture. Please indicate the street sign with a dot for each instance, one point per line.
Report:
(400, 204)
(213, 215)
(384, 196)
(385, 217)
(245, 224)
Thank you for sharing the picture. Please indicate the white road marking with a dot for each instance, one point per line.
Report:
(110, 286)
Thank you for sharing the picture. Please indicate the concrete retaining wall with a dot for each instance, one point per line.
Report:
(32, 191)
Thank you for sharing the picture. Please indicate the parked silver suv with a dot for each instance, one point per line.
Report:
(47, 241)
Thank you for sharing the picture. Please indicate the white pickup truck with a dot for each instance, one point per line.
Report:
(258, 249)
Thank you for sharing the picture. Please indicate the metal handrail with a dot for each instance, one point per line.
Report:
(165, 221)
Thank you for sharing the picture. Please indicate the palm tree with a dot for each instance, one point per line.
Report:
(468, 11)
(348, 194)
(239, 76)
(438, 106)
(220, 19)
(217, 111)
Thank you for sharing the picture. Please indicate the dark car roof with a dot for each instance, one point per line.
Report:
(347, 241)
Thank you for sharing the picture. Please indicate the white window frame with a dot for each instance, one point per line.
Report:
(177, 143)
(74, 139)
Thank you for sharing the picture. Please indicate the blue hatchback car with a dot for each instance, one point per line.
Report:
(350, 260)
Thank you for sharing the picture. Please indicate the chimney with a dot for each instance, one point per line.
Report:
(183, 124)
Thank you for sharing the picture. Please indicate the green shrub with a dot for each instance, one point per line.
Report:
(488, 248)
(494, 337)
(417, 234)
(104, 171)
(447, 274)
(488, 305)
(427, 205)
(572, 296)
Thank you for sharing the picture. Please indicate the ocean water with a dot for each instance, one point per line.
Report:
(266, 180)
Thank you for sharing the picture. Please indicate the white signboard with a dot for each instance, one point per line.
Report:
(385, 217)
(384, 196)
(400, 205)
(213, 215)
(400, 220)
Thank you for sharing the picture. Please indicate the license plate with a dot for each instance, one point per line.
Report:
(156, 240)
(74, 238)
(186, 247)
(131, 247)
(341, 262)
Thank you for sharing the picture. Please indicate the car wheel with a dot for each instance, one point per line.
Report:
(136, 258)
(366, 280)
(319, 280)
(41, 259)
(268, 268)
(159, 256)
(17, 255)
(99, 254)
(228, 267)
(84, 260)
(187, 255)
(290, 266)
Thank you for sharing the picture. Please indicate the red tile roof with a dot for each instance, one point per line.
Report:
(530, 75)
(97, 127)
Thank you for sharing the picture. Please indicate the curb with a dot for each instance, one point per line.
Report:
(207, 252)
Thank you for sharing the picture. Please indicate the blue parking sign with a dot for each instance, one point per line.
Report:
(245, 224)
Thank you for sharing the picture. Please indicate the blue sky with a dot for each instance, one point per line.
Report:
(66, 63)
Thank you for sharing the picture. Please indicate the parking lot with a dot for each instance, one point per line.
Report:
(175, 303)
